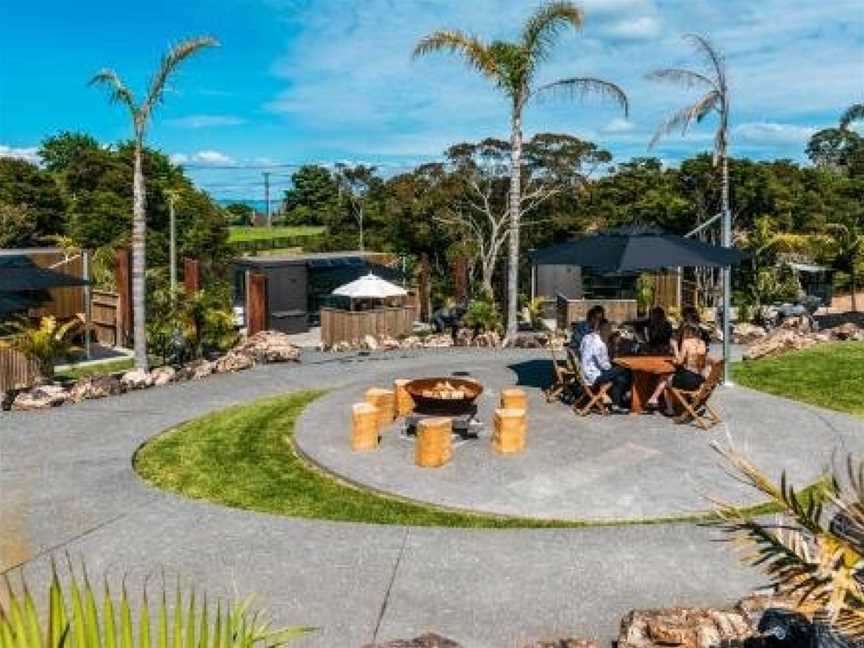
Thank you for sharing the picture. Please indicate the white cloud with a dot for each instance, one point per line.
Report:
(619, 125)
(206, 157)
(28, 153)
(643, 27)
(773, 132)
(205, 121)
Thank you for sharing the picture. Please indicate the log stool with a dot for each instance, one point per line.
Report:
(385, 401)
(433, 447)
(404, 402)
(509, 433)
(364, 427)
(514, 399)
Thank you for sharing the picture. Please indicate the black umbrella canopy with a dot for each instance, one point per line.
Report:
(19, 273)
(634, 251)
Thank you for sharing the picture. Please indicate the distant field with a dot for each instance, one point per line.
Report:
(239, 234)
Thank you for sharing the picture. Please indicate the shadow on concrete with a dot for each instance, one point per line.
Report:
(533, 373)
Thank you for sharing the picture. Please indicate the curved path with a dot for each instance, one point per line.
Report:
(66, 484)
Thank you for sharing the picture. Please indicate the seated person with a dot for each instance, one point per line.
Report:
(690, 315)
(581, 329)
(595, 365)
(690, 361)
(658, 332)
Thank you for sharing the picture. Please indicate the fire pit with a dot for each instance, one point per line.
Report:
(452, 397)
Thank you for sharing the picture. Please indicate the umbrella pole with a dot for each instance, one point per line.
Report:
(727, 300)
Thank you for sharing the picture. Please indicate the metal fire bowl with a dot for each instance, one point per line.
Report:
(444, 406)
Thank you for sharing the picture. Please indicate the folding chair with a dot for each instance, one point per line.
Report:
(562, 379)
(589, 398)
(695, 402)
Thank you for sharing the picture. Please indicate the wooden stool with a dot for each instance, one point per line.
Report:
(364, 427)
(404, 402)
(514, 399)
(509, 433)
(385, 401)
(433, 446)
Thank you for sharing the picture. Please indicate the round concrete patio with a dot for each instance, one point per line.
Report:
(593, 468)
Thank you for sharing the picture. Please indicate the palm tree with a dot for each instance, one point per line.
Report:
(511, 66)
(849, 239)
(141, 114)
(716, 99)
(852, 114)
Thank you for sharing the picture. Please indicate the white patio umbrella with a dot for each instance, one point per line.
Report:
(370, 287)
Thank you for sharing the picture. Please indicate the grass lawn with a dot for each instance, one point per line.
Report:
(110, 366)
(828, 375)
(244, 457)
(258, 233)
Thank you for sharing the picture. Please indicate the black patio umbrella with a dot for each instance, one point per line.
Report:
(635, 251)
(18, 273)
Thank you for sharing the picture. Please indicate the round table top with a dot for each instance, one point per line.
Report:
(648, 364)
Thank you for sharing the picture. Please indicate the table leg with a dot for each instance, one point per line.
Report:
(636, 393)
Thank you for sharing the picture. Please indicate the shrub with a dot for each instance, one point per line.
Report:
(75, 619)
(483, 315)
(43, 343)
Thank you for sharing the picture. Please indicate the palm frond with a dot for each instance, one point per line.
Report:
(686, 116)
(583, 86)
(169, 64)
(117, 90)
(704, 46)
(546, 24)
(682, 77)
(475, 53)
(853, 113)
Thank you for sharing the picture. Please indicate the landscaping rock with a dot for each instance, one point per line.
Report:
(412, 342)
(99, 386)
(686, 627)
(41, 397)
(778, 341)
(438, 341)
(194, 370)
(746, 333)
(268, 346)
(233, 361)
(529, 342)
(389, 343)
(464, 337)
(369, 343)
(429, 640)
(163, 376)
(847, 331)
(563, 643)
(489, 339)
(136, 379)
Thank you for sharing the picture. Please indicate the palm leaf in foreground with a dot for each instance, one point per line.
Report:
(814, 554)
(73, 620)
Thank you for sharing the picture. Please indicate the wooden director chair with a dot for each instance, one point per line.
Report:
(562, 379)
(589, 398)
(695, 402)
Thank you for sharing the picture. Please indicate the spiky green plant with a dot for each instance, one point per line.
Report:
(43, 343)
(76, 619)
(814, 554)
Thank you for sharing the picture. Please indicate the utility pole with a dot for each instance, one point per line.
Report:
(267, 195)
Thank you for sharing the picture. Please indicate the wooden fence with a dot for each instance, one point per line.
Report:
(352, 326)
(103, 312)
(16, 371)
(575, 310)
(63, 303)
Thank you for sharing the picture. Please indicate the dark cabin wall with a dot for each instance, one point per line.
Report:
(553, 280)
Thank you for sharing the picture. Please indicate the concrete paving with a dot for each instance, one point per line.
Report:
(66, 484)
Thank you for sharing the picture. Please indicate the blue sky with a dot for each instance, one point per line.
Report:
(325, 80)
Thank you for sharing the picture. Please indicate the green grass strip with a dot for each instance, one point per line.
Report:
(828, 375)
(240, 234)
(244, 457)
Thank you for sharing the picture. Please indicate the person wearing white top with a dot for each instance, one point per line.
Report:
(597, 369)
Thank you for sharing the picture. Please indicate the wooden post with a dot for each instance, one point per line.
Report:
(509, 433)
(404, 402)
(460, 279)
(364, 427)
(433, 447)
(514, 399)
(123, 280)
(256, 304)
(424, 287)
(385, 401)
(191, 276)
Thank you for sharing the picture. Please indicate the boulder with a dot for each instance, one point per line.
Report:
(388, 343)
(163, 376)
(685, 627)
(41, 397)
(527, 342)
(233, 361)
(269, 346)
(746, 333)
(464, 337)
(412, 342)
(847, 331)
(194, 370)
(489, 339)
(136, 379)
(800, 323)
(438, 341)
(429, 640)
(98, 386)
(778, 341)
(563, 643)
(341, 347)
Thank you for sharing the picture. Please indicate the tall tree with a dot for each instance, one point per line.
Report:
(141, 113)
(853, 113)
(849, 239)
(511, 66)
(716, 99)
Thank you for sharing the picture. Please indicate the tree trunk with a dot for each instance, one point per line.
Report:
(854, 288)
(515, 216)
(726, 221)
(139, 232)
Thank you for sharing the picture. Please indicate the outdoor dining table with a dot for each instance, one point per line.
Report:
(647, 372)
